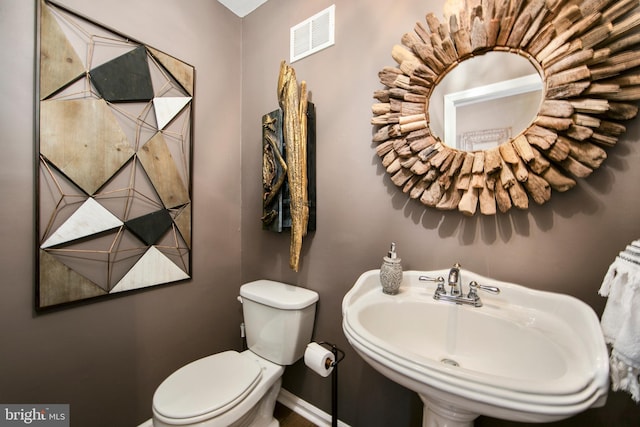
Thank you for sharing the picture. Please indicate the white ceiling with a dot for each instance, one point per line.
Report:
(242, 7)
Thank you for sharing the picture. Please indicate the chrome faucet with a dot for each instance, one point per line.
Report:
(455, 282)
(455, 285)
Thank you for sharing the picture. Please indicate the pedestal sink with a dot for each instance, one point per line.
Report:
(524, 355)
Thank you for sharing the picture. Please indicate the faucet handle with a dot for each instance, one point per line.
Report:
(474, 286)
(439, 281)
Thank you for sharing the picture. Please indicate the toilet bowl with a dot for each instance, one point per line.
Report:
(232, 389)
(225, 389)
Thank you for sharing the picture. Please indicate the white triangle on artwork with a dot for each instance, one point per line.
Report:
(153, 268)
(90, 218)
(167, 108)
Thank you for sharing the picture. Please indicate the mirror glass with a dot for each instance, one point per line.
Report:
(485, 100)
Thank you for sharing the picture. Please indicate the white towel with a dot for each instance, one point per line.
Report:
(621, 321)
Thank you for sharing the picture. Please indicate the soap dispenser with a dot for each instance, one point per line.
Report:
(391, 272)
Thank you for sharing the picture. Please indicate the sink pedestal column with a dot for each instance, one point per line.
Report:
(443, 415)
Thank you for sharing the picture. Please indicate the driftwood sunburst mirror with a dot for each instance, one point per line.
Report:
(586, 55)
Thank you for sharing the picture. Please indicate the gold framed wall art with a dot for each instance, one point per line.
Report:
(114, 160)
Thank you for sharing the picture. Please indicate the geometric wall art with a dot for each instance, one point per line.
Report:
(114, 161)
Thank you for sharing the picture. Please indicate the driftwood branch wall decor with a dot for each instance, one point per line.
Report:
(586, 53)
(114, 162)
(288, 168)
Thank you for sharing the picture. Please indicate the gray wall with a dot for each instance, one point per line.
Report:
(565, 245)
(107, 358)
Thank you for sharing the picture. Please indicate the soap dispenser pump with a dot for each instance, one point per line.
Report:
(391, 272)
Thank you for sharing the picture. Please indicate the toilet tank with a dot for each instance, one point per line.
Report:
(278, 319)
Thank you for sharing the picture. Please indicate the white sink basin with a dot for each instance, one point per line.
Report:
(525, 355)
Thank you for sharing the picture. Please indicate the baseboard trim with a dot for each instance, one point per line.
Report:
(306, 409)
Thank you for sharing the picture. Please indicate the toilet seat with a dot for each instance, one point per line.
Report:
(207, 387)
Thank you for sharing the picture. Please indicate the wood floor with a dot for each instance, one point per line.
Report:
(288, 418)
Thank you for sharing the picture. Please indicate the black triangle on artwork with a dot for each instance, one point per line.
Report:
(150, 228)
(125, 78)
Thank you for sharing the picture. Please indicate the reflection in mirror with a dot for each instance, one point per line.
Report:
(485, 100)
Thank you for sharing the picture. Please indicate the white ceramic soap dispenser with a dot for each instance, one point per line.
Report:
(391, 272)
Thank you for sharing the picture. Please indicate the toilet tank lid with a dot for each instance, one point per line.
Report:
(278, 295)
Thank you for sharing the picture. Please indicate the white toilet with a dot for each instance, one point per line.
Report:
(232, 389)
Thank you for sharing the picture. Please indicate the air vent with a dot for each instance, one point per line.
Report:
(313, 34)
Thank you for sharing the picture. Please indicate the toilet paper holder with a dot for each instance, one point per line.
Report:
(338, 355)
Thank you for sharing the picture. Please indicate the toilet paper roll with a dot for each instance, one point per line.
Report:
(319, 359)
